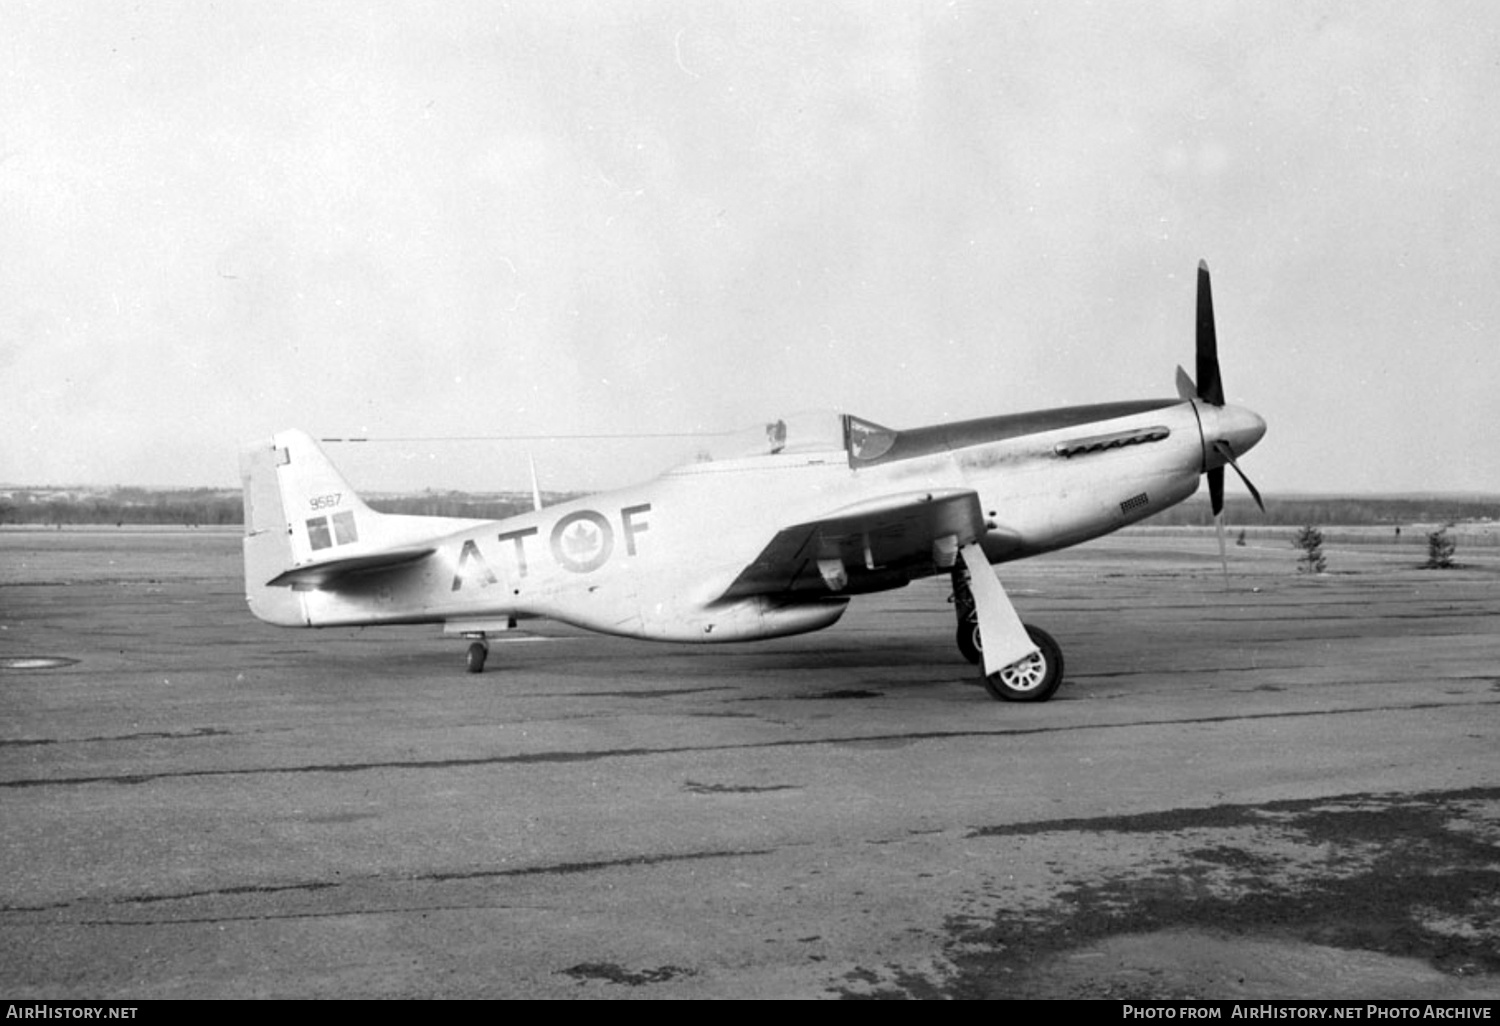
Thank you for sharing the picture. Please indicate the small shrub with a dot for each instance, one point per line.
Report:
(1440, 549)
(1310, 540)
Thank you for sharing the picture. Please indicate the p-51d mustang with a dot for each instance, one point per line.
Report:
(767, 539)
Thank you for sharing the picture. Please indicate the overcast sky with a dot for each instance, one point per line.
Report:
(476, 219)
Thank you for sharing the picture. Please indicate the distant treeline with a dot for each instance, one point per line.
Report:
(1347, 511)
(190, 507)
(217, 507)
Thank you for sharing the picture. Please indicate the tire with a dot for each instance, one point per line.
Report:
(969, 644)
(1034, 679)
(477, 653)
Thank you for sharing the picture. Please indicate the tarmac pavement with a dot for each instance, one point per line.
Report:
(1280, 786)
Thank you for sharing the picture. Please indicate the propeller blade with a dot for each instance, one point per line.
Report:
(1216, 490)
(1254, 494)
(1185, 387)
(1210, 385)
(1224, 449)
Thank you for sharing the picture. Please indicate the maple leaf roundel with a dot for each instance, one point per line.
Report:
(582, 541)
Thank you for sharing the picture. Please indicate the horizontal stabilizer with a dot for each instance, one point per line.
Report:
(321, 575)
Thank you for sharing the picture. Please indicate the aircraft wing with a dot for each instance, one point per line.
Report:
(869, 546)
(320, 575)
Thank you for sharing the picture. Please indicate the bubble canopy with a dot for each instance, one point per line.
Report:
(817, 431)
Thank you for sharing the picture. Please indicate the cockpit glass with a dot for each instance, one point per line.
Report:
(801, 433)
(869, 441)
(814, 432)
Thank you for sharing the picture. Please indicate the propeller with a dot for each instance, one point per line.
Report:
(1210, 390)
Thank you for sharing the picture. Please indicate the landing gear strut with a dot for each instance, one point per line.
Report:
(968, 617)
(1032, 679)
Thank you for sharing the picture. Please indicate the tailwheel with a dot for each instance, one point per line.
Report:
(478, 651)
(1033, 679)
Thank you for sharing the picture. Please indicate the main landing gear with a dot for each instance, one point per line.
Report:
(1033, 679)
(478, 652)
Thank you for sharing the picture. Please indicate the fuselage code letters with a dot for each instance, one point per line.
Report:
(581, 542)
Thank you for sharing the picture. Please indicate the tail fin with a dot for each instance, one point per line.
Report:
(298, 509)
(306, 530)
(313, 504)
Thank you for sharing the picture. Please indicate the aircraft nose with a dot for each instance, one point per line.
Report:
(1241, 428)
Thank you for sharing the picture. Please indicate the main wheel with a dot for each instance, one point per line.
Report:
(477, 653)
(969, 643)
(1033, 679)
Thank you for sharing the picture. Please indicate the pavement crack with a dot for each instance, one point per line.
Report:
(148, 735)
(697, 788)
(596, 755)
(314, 886)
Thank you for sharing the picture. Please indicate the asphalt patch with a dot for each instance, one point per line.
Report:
(1405, 876)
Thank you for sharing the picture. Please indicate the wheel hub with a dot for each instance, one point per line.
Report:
(1026, 675)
